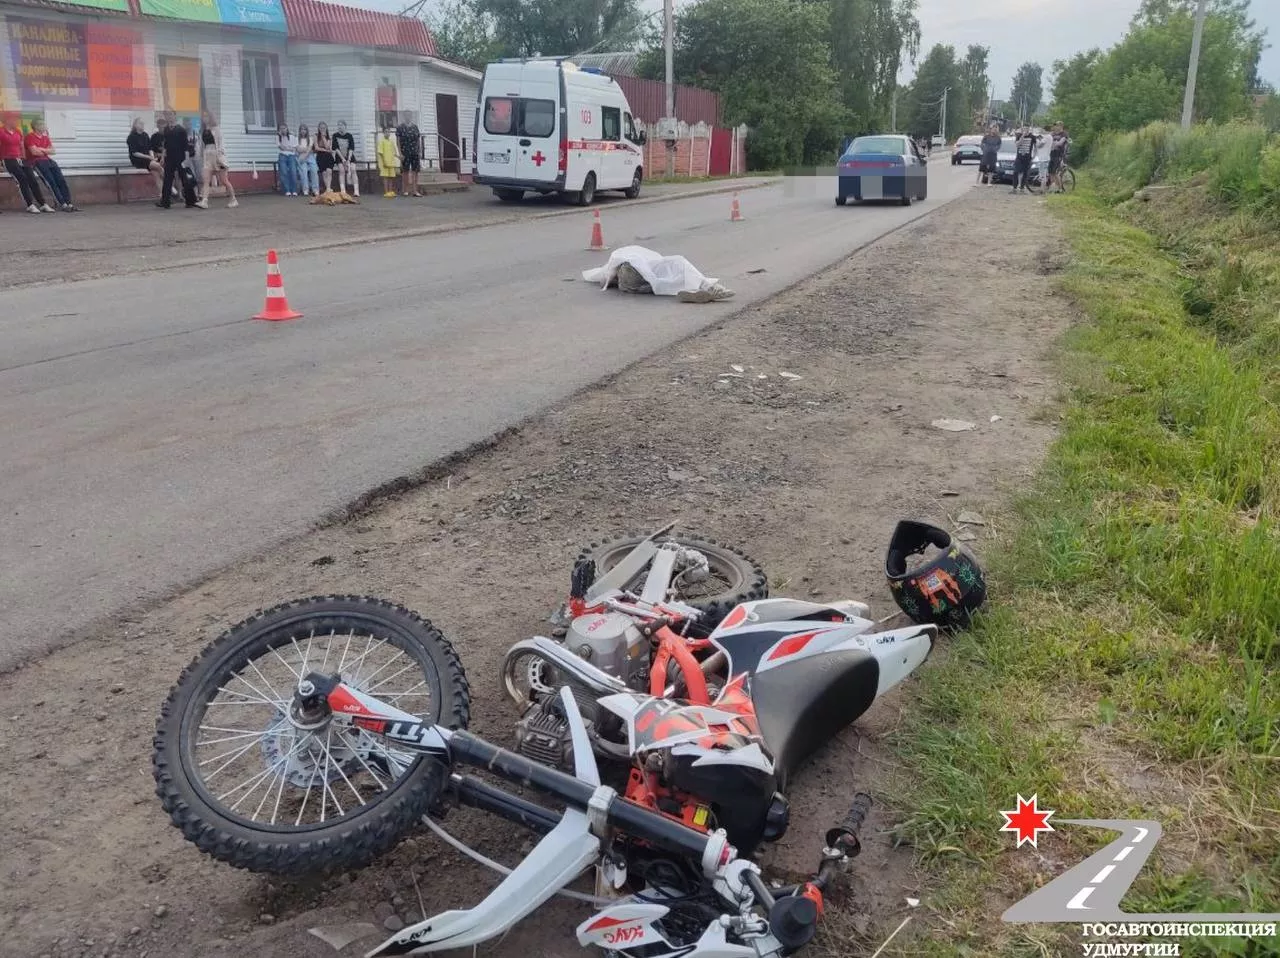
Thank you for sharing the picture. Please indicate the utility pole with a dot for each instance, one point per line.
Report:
(668, 42)
(943, 124)
(1189, 97)
(893, 112)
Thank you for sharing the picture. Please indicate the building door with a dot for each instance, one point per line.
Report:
(448, 141)
(721, 151)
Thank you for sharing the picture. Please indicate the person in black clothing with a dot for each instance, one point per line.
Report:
(990, 154)
(344, 152)
(177, 147)
(1028, 142)
(410, 139)
(142, 152)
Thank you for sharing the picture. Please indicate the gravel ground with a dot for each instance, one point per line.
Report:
(110, 240)
(808, 475)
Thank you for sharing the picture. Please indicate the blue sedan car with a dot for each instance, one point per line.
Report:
(886, 167)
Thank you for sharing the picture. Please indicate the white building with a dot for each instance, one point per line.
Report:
(89, 67)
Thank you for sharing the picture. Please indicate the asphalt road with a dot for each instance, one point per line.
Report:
(152, 433)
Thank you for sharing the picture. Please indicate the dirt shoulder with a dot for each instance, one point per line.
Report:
(137, 237)
(809, 475)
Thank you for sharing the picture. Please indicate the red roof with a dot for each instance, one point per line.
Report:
(335, 23)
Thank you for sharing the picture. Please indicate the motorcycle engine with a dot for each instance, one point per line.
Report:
(542, 734)
(611, 642)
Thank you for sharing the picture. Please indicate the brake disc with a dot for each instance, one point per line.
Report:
(302, 754)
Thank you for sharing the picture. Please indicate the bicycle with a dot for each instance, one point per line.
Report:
(1067, 180)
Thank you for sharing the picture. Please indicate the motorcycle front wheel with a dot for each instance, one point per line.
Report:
(250, 787)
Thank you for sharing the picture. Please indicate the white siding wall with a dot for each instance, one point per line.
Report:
(330, 88)
(436, 80)
(92, 139)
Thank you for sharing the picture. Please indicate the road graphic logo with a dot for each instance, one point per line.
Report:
(1091, 891)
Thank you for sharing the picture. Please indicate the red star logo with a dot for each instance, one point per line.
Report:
(1028, 821)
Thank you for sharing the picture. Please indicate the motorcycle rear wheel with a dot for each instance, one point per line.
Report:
(735, 576)
(296, 760)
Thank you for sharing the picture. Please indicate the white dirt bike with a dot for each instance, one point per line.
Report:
(316, 735)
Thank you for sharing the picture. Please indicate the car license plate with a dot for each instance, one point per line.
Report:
(497, 157)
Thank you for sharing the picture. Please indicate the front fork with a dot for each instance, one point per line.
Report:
(572, 840)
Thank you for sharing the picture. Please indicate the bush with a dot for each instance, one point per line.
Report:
(1241, 160)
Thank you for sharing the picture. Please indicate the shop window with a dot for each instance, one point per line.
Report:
(182, 87)
(262, 94)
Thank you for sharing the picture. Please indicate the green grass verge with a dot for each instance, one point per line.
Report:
(1128, 664)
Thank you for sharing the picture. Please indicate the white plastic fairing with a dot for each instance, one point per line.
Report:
(584, 759)
(899, 652)
(627, 925)
(558, 859)
(751, 757)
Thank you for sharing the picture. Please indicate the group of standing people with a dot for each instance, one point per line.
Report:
(1026, 145)
(309, 164)
(29, 159)
(171, 153)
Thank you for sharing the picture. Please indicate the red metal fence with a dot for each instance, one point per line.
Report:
(648, 99)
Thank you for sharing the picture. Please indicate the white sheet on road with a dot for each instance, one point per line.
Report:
(668, 275)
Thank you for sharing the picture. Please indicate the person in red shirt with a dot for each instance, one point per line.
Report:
(12, 151)
(40, 150)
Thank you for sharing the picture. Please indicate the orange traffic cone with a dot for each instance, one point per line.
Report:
(597, 235)
(277, 304)
(735, 214)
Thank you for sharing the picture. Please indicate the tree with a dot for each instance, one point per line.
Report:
(465, 35)
(976, 82)
(1027, 90)
(772, 69)
(869, 40)
(477, 31)
(1142, 77)
(920, 106)
(1269, 113)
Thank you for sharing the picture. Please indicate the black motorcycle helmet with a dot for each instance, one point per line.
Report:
(946, 590)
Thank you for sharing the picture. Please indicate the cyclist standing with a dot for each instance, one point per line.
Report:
(1058, 144)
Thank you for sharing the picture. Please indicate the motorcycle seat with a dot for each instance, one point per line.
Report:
(805, 704)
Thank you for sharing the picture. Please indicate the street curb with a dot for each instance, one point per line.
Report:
(404, 234)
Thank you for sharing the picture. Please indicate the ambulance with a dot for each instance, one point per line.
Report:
(546, 126)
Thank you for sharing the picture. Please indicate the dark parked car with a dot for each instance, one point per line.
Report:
(967, 148)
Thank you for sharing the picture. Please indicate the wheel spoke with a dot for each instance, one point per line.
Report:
(271, 773)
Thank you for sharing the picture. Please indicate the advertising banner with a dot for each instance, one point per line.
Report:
(257, 14)
(205, 11)
(117, 67)
(121, 5)
(96, 63)
(50, 60)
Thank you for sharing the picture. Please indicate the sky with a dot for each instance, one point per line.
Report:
(1017, 31)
